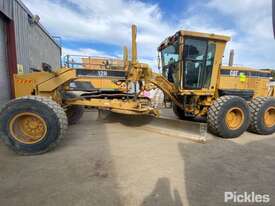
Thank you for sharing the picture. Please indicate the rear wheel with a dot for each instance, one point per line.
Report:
(262, 111)
(32, 124)
(74, 113)
(228, 117)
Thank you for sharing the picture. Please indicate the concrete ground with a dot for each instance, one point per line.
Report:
(119, 161)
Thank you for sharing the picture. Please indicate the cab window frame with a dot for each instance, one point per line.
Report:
(165, 62)
(203, 81)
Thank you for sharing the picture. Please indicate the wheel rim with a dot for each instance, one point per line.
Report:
(28, 128)
(269, 117)
(234, 118)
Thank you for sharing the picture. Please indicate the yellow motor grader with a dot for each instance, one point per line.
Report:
(233, 99)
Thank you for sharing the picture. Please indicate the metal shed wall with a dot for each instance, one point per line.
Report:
(33, 44)
(6, 7)
(4, 80)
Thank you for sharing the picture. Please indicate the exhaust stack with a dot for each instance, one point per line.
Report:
(231, 57)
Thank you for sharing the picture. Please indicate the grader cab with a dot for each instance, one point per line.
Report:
(228, 96)
(233, 99)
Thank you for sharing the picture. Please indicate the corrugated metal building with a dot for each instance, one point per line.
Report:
(24, 44)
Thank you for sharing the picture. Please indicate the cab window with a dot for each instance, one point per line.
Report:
(198, 57)
(170, 66)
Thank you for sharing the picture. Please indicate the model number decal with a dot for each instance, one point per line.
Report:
(102, 73)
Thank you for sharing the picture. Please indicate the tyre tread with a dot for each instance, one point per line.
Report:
(213, 117)
(57, 109)
(254, 106)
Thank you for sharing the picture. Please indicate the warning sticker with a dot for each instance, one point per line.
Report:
(24, 81)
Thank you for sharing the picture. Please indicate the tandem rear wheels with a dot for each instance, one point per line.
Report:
(32, 125)
(231, 116)
(262, 111)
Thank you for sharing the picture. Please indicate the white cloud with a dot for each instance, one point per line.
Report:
(254, 43)
(106, 21)
(84, 52)
(109, 22)
(251, 17)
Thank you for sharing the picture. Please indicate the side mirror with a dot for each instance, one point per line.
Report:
(158, 62)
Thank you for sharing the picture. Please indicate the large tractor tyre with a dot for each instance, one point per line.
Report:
(180, 113)
(32, 125)
(74, 113)
(228, 117)
(262, 113)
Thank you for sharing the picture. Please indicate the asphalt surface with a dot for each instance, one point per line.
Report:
(139, 161)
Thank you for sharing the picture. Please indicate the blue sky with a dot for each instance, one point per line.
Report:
(102, 27)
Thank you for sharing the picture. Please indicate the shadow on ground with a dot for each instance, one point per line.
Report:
(82, 170)
(127, 120)
(72, 174)
(161, 195)
(211, 170)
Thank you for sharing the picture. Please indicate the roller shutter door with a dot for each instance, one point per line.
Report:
(4, 77)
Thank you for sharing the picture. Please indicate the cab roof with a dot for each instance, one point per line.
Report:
(211, 36)
(186, 33)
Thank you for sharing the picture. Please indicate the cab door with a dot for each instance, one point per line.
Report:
(198, 58)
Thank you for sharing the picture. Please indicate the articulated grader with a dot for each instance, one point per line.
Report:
(234, 99)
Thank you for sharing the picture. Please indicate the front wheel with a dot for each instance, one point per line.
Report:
(228, 117)
(32, 124)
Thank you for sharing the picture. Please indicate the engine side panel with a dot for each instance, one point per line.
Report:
(233, 78)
